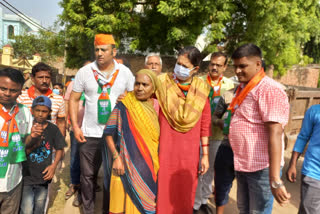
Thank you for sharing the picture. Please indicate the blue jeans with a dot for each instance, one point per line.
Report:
(253, 192)
(33, 199)
(74, 160)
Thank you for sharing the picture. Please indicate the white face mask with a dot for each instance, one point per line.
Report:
(56, 91)
(182, 72)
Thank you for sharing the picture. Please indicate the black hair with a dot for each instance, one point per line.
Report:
(193, 55)
(13, 74)
(40, 66)
(58, 84)
(247, 50)
(218, 54)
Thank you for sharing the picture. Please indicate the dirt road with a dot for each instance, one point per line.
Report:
(58, 205)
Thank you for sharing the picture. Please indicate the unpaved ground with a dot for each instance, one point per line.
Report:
(58, 205)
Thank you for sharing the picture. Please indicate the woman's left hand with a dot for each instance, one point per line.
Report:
(204, 164)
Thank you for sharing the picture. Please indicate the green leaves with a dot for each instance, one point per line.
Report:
(49, 45)
(279, 27)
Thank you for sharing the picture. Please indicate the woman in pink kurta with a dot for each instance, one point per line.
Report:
(185, 119)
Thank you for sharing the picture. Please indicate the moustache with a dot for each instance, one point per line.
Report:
(44, 84)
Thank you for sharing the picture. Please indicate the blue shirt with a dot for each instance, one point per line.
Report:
(310, 131)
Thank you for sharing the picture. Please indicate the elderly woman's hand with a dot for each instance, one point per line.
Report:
(118, 166)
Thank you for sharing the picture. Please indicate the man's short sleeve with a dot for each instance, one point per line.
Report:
(273, 105)
(131, 79)
(78, 85)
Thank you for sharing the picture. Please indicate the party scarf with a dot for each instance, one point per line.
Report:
(184, 87)
(214, 95)
(31, 92)
(241, 94)
(12, 149)
(104, 103)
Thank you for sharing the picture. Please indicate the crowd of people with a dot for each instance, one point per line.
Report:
(162, 139)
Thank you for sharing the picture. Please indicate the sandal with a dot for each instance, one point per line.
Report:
(72, 190)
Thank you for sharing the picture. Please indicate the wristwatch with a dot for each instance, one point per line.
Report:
(276, 184)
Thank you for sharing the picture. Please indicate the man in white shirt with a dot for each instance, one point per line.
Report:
(102, 82)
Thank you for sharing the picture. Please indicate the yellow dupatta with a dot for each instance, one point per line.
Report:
(182, 112)
(145, 120)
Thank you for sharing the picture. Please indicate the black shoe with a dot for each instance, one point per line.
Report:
(98, 188)
(206, 209)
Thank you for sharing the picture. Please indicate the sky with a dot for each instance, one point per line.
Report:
(45, 11)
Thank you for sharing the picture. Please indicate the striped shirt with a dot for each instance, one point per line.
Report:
(58, 106)
(14, 172)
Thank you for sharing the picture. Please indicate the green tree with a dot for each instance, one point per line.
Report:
(151, 25)
(48, 44)
(279, 27)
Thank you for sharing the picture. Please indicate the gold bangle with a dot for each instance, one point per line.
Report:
(115, 158)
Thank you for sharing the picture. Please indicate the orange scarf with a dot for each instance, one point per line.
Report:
(104, 89)
(12, 149)
(184, 88)
(215, 92)
(241, 94)
(32, 89)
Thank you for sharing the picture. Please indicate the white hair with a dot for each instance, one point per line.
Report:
(153, 54)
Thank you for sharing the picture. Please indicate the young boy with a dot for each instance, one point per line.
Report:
(58, 89)
(39, 168)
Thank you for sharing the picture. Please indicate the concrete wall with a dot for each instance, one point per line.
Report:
(301, 76)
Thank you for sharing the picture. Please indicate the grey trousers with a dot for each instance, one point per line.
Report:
(10, 201)
(310, 195)
(204, 188)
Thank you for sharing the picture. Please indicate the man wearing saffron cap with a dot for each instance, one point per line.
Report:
(102, 82)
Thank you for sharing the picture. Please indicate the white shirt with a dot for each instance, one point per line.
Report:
(85, 82)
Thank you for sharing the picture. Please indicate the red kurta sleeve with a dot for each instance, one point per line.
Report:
(206, 121)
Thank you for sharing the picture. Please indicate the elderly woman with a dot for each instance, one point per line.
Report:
(132, 135)
(184, 119)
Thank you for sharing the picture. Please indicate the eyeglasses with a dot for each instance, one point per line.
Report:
(217, 65)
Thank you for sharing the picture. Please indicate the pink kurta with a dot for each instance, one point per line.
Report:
(179, 164)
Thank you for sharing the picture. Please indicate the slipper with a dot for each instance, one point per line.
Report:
(72, 190)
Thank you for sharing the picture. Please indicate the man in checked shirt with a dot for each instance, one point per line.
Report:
(259, 110)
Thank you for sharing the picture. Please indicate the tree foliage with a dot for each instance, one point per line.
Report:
(48, 44)
(279, 27)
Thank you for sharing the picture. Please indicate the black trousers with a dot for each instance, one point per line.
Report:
(90, 162)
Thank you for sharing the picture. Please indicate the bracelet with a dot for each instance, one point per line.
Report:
(114, 153)
(204, 154)
(115, 158)
(204, 145)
